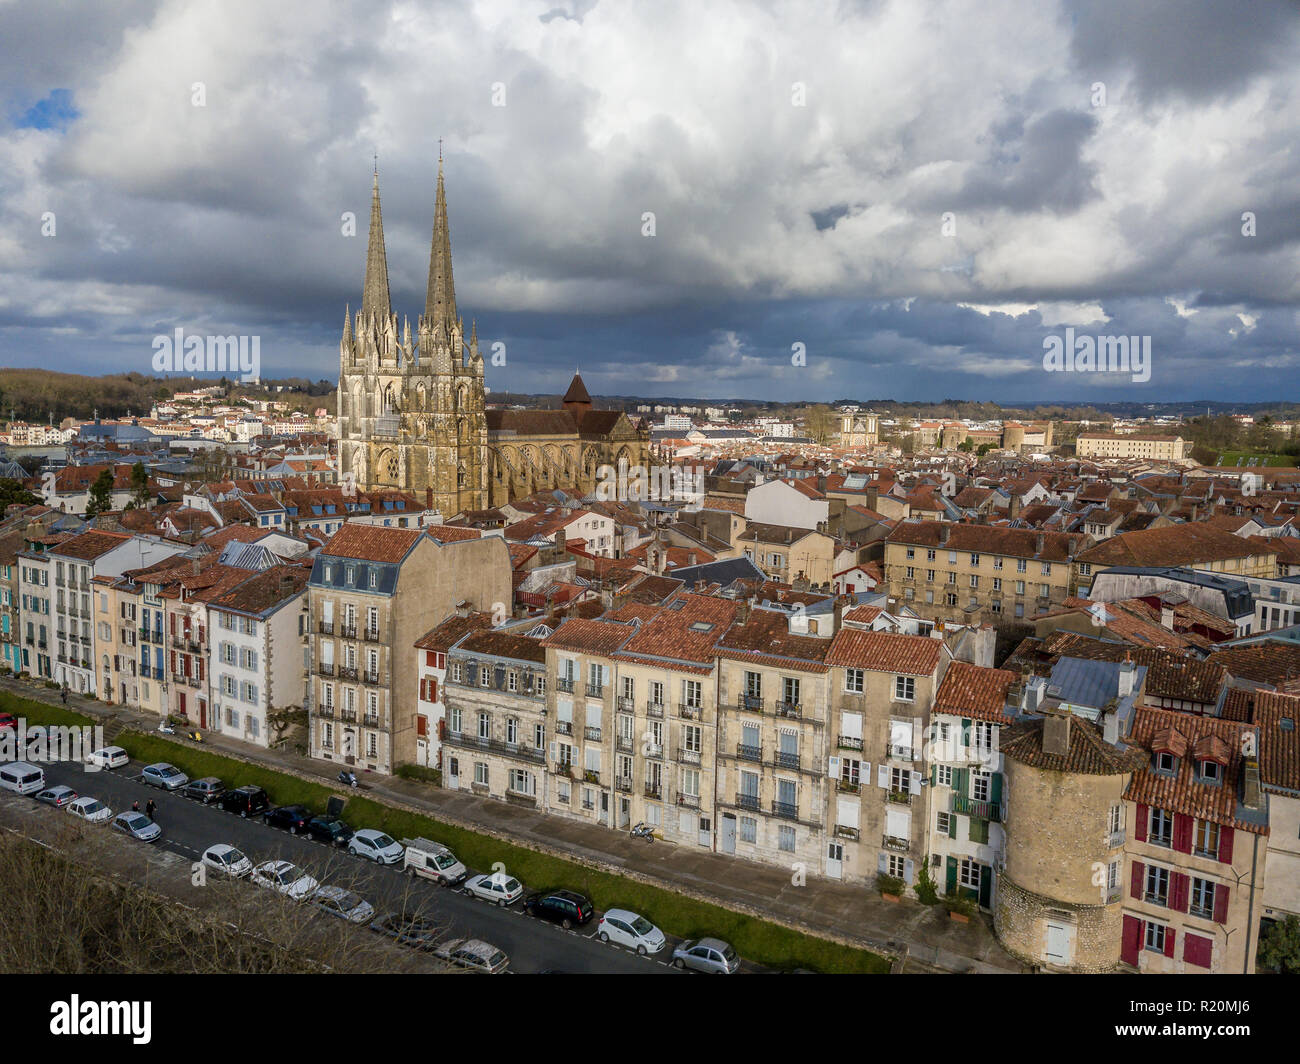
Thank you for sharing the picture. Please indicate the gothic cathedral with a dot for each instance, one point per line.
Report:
(413, 417)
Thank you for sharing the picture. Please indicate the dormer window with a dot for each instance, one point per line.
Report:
(1167, 764)
(1211, 772)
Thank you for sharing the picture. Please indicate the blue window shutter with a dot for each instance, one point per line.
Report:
(909, 872)
(881, 866)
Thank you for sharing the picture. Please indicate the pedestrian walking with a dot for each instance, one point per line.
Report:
(135, 806)
(64, 694)
(149, 809)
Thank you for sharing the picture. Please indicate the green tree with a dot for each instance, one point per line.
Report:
(819, 422)
(966, 445)
(12, 491)
(1279, 949)
(101, 494)
(139, 485)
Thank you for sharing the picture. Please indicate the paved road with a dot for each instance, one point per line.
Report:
(189, 828)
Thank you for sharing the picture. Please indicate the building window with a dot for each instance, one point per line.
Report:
(748, 829)
(785, 839)
(969, 873)
(943, 823)
(1162, 828)
(1201, 900)
(1210, 772)
(1021, 565)
(943, 775)
(481, 772)
(1206, 839)
(904, 688)
(1157, 888)
(980, 782)
(929, 556)
(1155, 938)
(897, 865)
(853, 680)
(512, 680)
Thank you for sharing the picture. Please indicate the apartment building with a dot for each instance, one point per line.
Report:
(373, 592)
(1197, 851)
(431, 682)
(580, 699)
(967, 779)
(117, 642)
(978, 573)
(882, 687)
(12, 541)
(496, 738)
(1276, 715)
(1191, 544)
(773, 712)
(1135, 445)
(665, 742)
(788, 554)
(258, 660)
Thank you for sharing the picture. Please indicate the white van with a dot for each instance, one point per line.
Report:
(22, 778)
(433, 861)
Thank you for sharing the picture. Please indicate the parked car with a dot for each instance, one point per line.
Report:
(474, 954)
(285, 877)
(562, 907)
(375, 845)
(109, 757)
(205, 790)
(21, 777)
(410, 929)
(329, 829)
(499, 887)
(340, 902)
(434, 861)
(57, 796)
(163, 775)
(707, 955)
(8, 720)
(137, 825)
(291, 818)
(223, 857)
(91, 810)
(630, 930)
(246, 801)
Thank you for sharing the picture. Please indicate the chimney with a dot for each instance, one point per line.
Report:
(1166, 616)
(286, 583)
(1039, 540)
(1127, 677)
(1250, 783)
(690, 558)
(1110, 727)
(1013, 507)
(194, 566)
(943, 534)
(1056, 732)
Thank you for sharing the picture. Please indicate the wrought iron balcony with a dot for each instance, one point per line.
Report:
(788, 709)
(371, 635)
(849, 742)
(325, 627)
(623, 783)
(891, 842)
(687, 711)
(900, 797)
(784, 759)
(347, 672)
(592, 735)
(348, 631)
(564, 683)
(652, 790)
(325, 668)
(595, 690)
(848, 786)
(842, 831)
(749, 753)
(654, 709)
(690, 757)
(688, 801)
(563, 768)
(786, 810)
(564, 727)
(751, 702)
(747, 801)
(627, 704)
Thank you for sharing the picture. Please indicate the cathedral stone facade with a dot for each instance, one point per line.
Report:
(413, 416)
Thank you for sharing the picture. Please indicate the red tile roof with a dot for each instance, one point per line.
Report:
(912, 655)
(974, 691)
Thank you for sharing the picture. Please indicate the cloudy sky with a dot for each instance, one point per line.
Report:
(913, 194)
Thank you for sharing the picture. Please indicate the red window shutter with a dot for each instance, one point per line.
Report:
(429, 658)
(1169, 941)
(1220, 903)
(1140, 828)
(1182, 833)
(1131, 941)
(1225, 844)
(421, 725)
(1135, 879)
(1179, 890)
(1197, 950)
(433, 690)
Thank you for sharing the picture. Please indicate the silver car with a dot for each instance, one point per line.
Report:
(163, 775)
(137, 825)
(57, 796)
(339, 902)
(707, 955)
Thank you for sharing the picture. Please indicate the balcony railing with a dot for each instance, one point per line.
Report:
(900, 797)
(849, 742)
(690, 757)
(971, 807)
(595, 690)
(747, 801)
(375, 678)
(751, 702)
(842, 831)
(371, 635)
(623, 742)
(654, 709)
(590, 775)
(892, 842)
(687, 711)
(325, 711)
(749, 753)
(786, 810)
(325, 627)
(348, 631)
(652, 790)
(1116, 839)
(563, 768)
(371, 720)
(688, 801)
(564, 683)
(518, 750)
(784, 759)
(623, 783)
(627, 704)
(325, 668)
(592, 735)
(848, 786)
(564, 727)
(347, 672)
(788, 709)
(654, 749)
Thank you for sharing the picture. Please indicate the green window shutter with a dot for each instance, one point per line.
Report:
(995, 789)
(951, 887)
(952, 825)
(986, 886)
(959, 784)
(933, 772)
(965, 731)
(979, 830)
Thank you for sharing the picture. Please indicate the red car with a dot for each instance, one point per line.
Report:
(8, 720)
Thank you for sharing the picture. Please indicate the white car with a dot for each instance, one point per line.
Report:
(474, 954)
(630, 930)
(109, 757)
(340, 902)
(375, 845)
(285, 877)
(223, 857)
(163, 775)
(91, 810)
(497, 886)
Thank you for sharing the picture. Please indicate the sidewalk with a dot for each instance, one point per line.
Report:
(921, 937)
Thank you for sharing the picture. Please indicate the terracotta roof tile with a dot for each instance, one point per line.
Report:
(913, 655)
(975, 691)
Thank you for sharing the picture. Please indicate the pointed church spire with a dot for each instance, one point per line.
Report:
(347, 324)
(440, 301)
(375, 299)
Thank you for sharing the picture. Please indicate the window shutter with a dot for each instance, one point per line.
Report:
(995, 789)
(1197, 950)
(914, 783)
(952, 828)
(1178, 891)
(1131, 941)
(1220, 903)
(959, 785)
(1170, 936)
(909, 871)
(951, 885)
(1135, 879)
(933, 772)
(833, 768)
(882, 775)
(966, 736)
(866, 774)
(1225, 844)
(881, 867)
(1140, 828)
(1182, 833)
